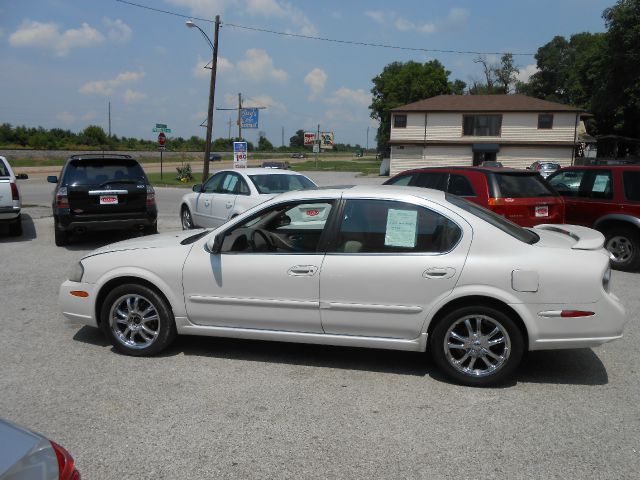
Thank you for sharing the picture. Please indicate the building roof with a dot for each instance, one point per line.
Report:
(485, 103)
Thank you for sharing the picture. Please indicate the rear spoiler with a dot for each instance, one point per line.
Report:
(586, 238)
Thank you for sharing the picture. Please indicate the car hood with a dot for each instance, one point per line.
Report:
(161, 240)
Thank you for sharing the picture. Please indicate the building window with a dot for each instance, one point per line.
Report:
(399, 121)
(481, 125)
(545, 121)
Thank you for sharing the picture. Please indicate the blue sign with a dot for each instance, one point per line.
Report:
(249, 118)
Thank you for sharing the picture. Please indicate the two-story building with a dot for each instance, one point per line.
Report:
(515, 130)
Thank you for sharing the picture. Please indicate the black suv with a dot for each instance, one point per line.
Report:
(102, 192)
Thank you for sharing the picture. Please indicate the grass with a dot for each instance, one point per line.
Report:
(169, 179)
(364, 166)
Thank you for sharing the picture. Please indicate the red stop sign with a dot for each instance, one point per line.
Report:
(162, 138)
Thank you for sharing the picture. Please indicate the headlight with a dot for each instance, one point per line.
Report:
(606, 278)
(75, 275)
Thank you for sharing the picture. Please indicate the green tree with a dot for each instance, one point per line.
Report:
(94, 135)
(264, 144)
(401, 83)
(297, 140)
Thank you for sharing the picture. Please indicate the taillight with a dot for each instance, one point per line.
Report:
(151, 196)
(66, 466)
(15, 195)
(62, 200)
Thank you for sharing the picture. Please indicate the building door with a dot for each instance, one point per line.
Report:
(479, 157)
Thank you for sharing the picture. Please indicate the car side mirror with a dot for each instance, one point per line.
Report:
(22, 176)
(197, 187)
(52, 179)
(214, 244)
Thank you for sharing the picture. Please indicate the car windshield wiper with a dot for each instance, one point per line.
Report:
(124, 180)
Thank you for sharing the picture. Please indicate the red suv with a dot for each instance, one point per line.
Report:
(607, 198)
(521, 196)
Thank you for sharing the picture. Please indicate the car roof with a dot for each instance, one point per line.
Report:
(382, 192)
(258, 170)
(470, 169)
(100, 156)
(602, 167)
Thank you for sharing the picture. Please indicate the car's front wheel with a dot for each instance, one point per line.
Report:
(186, 219)
(623, 244)
(137, 320)
(477, 346)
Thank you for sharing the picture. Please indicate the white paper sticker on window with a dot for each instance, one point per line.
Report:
(402, 228)
(601, 183)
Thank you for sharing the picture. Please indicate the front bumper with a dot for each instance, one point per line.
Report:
(547, 333)
(77, 309)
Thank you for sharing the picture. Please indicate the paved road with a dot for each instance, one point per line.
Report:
(220, 408)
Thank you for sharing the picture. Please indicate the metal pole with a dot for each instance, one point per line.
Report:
(239, 117)
(367, 140)
(212, 91)
(160, 164)
(318, 140)
(109, 120)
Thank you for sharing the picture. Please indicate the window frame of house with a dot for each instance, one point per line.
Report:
(475, 116)
(542, 124)
(396, 117)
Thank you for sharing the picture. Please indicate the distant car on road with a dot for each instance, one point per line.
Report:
(26, 455)
(10, 203)
(231, 192)
(298, 155)
(544, 168)
(607, 198)
(280, 165)
(392, 268)
(102, 192)
(215, 157)
(521, 196)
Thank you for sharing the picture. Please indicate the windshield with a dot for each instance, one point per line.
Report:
(521, 186)
(272, 183)
(100, 172)
(508, 227)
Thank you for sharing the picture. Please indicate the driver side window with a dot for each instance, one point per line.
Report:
(284, 228)
(213, 184)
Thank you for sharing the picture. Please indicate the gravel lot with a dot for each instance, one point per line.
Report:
(221, 408)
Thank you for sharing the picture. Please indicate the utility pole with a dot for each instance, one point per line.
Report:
(318, 148)
(367, 140)
(109, 120)
(283, 136)
(212, 92)
(239, 117)
(229, 123)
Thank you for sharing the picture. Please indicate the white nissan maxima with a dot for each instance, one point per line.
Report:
(382, 267)
(229, 193)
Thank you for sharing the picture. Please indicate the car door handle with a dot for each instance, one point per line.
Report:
(229, 204)
(302, 270)
(439, 272)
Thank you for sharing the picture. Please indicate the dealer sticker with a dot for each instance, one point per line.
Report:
(542, 211)
(108, 199)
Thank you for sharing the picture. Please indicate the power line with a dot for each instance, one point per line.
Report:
(326, 39)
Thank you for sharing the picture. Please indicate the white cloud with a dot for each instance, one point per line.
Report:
(48, 36)
(346, 95)
(203, 8)
(525, 72)
(284, 10)
(118, 31)
(315, 80)
(1, 32)
(258, 65)
(230, 100)
(66, 117)
(133, 96)
(202, 69)
(455, 19)
(265, 101)
(90, 115)
(106, 87)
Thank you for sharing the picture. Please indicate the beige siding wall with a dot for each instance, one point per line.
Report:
(413, 131)
(522, 157)
(432, 156)
(521, 127)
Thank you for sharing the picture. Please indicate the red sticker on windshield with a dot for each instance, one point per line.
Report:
(313, 213)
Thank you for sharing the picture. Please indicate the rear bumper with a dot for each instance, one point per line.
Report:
(79, 310)
(9, 213)
(547, 333)
(106, 222)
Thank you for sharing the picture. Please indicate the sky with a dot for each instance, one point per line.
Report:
(63, 61)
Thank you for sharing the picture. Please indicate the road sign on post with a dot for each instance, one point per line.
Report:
(162, 139)
(249, 117)
(239, 154)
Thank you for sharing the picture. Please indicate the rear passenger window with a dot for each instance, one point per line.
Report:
(460, 185)
(631, 182)
(597, 185)
(436, 180)
(385, 226)
(402, 181)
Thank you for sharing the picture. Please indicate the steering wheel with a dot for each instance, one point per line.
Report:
(265, 240)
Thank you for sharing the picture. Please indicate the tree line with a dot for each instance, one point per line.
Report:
(598, 72)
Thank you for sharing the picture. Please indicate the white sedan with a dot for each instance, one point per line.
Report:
(229, 193)
(382, 267)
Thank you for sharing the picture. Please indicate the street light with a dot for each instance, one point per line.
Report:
(212, 90)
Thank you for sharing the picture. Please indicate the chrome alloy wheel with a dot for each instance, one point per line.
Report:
(134, 321)
(621, 248)
(477, 345)
(187, 221)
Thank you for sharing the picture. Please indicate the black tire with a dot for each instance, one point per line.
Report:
(151, 229)
(186, 219)
(624, 244)
(61, 237)
(129, 336)
(15, 228)
(510, 349)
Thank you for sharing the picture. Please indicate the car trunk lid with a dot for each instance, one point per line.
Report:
(581, 238)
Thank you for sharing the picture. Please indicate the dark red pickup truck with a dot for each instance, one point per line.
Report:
(607, 198)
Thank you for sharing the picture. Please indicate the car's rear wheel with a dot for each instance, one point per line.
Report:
(477, 346)
(623, 244)
(151, 229)
(15, 228)
(186, 219)
(137, 320)
(61, 237)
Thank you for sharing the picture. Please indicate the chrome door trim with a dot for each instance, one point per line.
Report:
(254, 302)
(360, 307)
